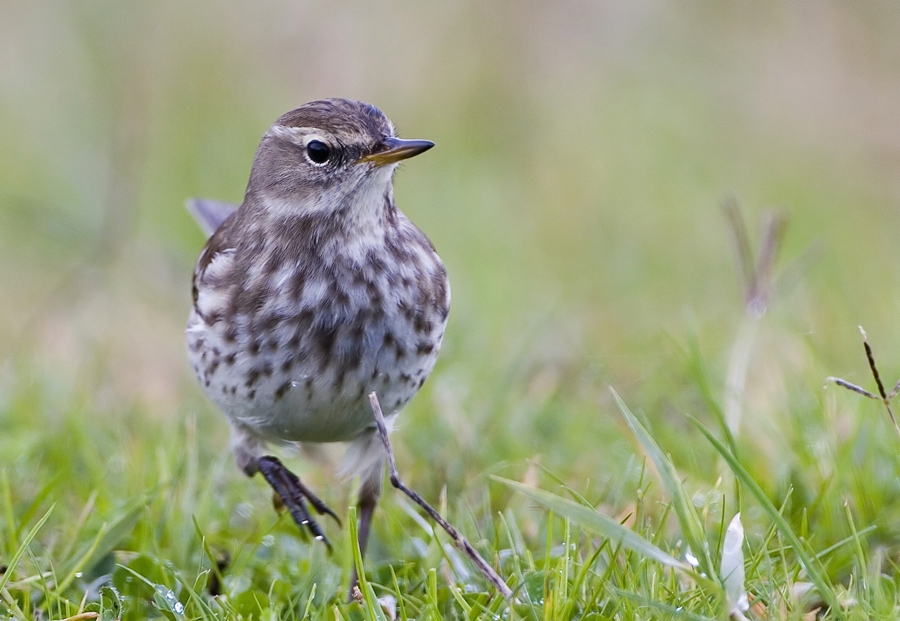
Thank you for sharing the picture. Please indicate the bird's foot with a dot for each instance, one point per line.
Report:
(294, 495)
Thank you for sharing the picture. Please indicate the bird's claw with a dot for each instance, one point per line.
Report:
(293, 495)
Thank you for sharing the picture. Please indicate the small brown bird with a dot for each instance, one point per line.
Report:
(313, 293)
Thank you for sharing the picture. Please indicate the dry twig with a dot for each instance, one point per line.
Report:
(458, 539)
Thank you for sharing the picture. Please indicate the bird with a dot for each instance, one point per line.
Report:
(313, 293)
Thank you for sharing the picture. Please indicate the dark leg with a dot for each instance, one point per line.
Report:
(368, 499)
(294, 495)
(458, 539)
(369, 493)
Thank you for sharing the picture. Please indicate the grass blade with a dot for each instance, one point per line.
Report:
(105, 542)
(5, 576)
(691, 527)
(592, 520)
(370, 604)
(741, 473)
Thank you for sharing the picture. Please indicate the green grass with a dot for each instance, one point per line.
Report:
(582, 155)
(154, 509)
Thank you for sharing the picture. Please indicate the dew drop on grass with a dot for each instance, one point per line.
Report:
(166, 600)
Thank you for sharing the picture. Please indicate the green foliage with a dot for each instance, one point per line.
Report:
(582, 154)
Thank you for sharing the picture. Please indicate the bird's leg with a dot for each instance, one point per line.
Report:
(458, 539)
(294, 495)
(369, 493)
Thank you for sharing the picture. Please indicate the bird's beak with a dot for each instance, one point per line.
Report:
(393, 150)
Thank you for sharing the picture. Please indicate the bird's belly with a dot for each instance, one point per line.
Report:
(312, 385)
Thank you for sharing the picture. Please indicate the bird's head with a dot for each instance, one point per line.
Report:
(327, 156)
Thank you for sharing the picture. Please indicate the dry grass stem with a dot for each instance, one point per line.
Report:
(458, 539)
(757, 277)
(882, 395)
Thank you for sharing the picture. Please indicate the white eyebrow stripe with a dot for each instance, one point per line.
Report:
(294, 134)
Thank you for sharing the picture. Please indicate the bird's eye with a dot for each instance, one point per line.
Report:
(318, 152)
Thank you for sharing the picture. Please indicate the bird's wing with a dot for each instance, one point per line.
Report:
(209, 214)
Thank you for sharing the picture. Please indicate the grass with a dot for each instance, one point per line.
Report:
(574, 196)
(139, 516)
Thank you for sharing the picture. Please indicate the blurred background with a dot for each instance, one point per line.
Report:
(583, 153)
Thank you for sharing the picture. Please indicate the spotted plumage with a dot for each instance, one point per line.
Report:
(315, 292)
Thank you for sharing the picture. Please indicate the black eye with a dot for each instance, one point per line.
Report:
(318, 152)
